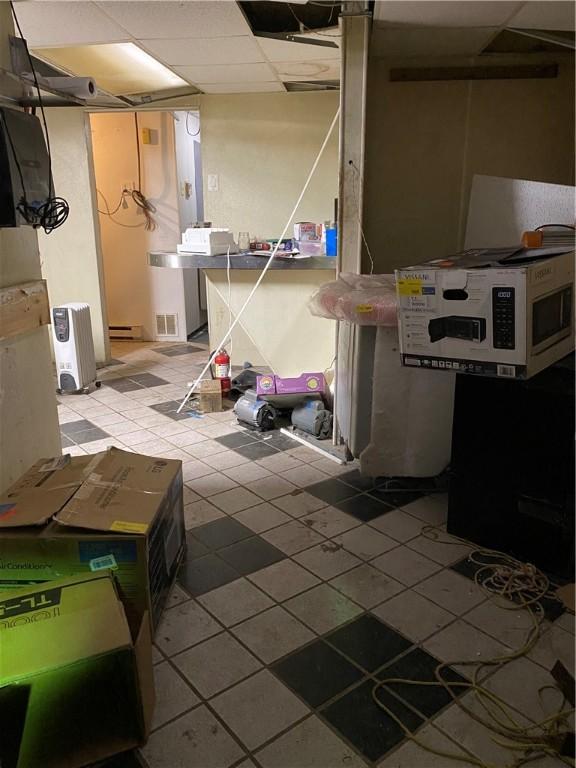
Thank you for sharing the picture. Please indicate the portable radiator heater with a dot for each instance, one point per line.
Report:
(73, 348)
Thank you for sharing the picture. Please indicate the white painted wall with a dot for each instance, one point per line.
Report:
(188, 166)
(261, 147)
(426, 140)
(125, 242)
(72, 255)
(28, 417)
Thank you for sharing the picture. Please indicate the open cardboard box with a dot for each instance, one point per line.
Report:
(113, 511)
(75, 685)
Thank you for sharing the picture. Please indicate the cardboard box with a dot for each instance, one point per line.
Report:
(114, 510)
(74, 686)
(210, 395)
(305, 384)
(492, 312)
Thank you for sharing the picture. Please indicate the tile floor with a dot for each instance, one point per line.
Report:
(304, 584)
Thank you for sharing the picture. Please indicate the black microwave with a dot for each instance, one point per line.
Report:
(457, 327)
(552, 318)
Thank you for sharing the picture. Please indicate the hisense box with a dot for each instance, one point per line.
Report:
(75, 685)
(113, 511)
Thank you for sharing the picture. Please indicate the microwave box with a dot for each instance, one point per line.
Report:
(75, 686)
(492, 312)
(114, 511)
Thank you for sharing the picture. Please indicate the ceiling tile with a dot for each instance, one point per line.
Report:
(545, 15)
(429, 13)
(241, 87)
(228, 73)
(191, 19)
(214, 50)
(394, 41)
(282, 50)
(66, 23)
(295, 71)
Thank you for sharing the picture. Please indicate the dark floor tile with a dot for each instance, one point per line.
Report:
(280, 442)
(76, 426)
(89, 435)
(65, 442)
(170, 409)
(222, 532)
(237, 439)
(122, 384)
(369, 642)
(114, 361)
(206, 573)
(368, 727)
(419, 665)
(356, 480)
(251, 554)
(396, 497)
(176, 351)
(363, 507)
(148, 380)
(195, 548)
(317, 673)
(331, 491)
(256, 451)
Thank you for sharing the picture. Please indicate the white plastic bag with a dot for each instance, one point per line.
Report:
(359, 299)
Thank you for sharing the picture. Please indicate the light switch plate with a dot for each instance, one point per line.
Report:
(212, 182)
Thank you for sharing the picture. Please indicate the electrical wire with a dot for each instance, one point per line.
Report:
(523, 586)
(110, 213)
(137, 195)
(54, 212)
(269, 262)
(188, 113)
(308, 29)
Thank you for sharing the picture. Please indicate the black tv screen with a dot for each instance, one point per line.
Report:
(24, 166)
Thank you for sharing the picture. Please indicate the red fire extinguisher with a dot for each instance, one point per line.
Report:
(222, 370)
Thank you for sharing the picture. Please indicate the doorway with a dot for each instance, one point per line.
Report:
(148, 173)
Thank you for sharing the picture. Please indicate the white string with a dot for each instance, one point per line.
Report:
(359, 216)
(267, 265)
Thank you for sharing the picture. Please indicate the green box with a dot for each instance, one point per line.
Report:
(74, 686)
(115, 511)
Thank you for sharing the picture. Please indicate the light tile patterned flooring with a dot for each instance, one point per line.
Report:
(303, 585)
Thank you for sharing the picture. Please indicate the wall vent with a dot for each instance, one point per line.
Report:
(166, 325)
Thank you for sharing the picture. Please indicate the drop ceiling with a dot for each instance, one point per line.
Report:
(211, 45)
(217, 46)
(411, 28)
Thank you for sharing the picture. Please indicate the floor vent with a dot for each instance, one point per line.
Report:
(167, 325)
(125, 331)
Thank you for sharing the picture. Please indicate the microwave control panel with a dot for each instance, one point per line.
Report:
(503, 324)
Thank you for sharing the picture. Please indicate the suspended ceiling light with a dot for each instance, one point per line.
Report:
(118, 68)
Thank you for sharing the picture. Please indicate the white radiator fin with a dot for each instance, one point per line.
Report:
(167, 325)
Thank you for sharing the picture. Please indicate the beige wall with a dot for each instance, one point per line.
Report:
(72, 255)
(125, 242)
(28, 417)
(276, 329)
(425, 141)
(262, 147)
